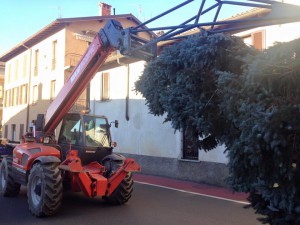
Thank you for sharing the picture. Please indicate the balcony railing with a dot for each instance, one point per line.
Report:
(79, 105)
(71, 60)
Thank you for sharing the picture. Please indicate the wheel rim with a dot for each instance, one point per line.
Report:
(36, 190)
(3, 177)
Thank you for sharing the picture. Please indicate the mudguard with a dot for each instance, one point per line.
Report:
(112, 162)
(114, 157)
(47, 159)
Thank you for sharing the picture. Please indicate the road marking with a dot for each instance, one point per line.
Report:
(195, 193)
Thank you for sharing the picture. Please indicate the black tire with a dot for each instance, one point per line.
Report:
(8, 187)
(44, 189)
(122, 193)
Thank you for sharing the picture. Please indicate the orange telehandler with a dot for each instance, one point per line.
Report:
(81, 159)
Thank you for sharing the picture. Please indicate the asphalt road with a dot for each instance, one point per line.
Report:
(149, 205)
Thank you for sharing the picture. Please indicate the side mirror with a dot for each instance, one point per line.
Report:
(113, 144)
(116, 122)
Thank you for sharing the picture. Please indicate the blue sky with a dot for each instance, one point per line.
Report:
(22, 18)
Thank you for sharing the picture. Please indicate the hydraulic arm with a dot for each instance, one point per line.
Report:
(105, 42)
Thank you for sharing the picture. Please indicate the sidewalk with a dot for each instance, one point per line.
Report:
(197, 188)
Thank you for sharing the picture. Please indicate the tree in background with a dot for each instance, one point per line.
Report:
(226, 92)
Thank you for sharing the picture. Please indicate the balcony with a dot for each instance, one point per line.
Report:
(79, 105)
(71, 60)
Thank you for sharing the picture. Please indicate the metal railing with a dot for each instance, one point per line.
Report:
(79, 105)
(72, 59)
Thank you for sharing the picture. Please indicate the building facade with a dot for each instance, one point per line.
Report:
(2, 73)
(37, 68)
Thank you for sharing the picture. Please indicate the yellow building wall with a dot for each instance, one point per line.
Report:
(24, 73)
(20, 70)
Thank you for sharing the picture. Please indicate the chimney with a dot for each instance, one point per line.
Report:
(104, 9)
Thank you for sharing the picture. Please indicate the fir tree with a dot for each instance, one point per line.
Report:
(226, 92)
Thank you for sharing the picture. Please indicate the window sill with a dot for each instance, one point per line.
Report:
(105, 100)
(189, 160)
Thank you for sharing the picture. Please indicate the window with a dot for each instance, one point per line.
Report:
(35, 94)
(23, 94)
(54, 49)
(16, 70)
(21, 131)
(13, 132)
(105, 87)
(258, 40)
(25, 66)
(71, 130)
(189, 148)
(12, 97)
(8, 73)
(1, 91)
(96, 132)
(52, 90)
(15, 93)
(6, 131)
(7, 98)
(36, 62)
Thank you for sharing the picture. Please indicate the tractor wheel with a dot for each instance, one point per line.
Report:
(7, 184)
(122, 193)
(44, 189)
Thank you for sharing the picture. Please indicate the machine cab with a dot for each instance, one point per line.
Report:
(88, 134)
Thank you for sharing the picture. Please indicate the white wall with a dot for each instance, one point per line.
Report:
(216, 155)
(18, 114)
(143, 133)
(46, 74)
(275, 33)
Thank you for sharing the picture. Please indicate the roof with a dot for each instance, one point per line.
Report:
(54, 27)
(252, 13)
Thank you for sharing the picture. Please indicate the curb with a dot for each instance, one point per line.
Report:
(192, 187)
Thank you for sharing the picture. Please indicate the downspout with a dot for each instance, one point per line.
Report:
(127, 94)
(127, 87)
(28, 88)
(88, 94)
(88, 98)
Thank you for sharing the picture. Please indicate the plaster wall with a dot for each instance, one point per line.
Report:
(17, 114)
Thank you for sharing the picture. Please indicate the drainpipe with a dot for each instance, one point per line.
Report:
(127, 87)
(28, 88)
(88, 94)
(127, 94)
(88, 97)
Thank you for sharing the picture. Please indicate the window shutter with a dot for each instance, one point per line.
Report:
(258, 40)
